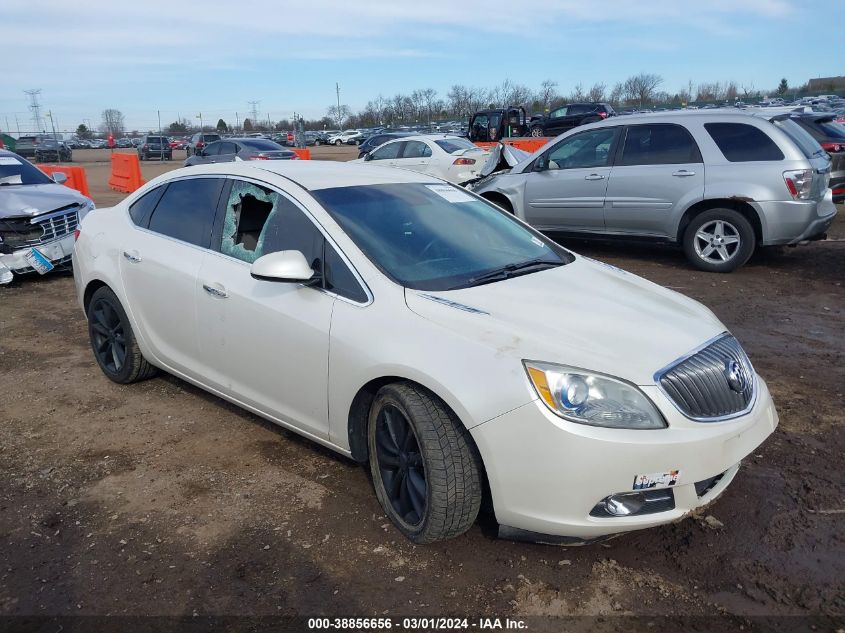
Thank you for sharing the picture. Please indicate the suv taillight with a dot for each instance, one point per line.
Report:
(799, 182)
(603, 115)
(833, 147)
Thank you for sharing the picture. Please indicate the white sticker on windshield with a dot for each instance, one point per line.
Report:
(9, 160)
(450, 193)
(537, 241)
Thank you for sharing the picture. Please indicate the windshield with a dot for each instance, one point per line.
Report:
(17, 171)
(435, 236)
(806, 143)
(455, 144)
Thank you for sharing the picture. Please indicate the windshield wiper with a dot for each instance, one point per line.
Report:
(513, 270)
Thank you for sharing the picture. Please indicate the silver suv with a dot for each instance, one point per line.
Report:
(718, 183)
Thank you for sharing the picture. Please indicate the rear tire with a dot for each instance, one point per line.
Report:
(113, 341)
(338, 142)
(425, 467)
(719, 240)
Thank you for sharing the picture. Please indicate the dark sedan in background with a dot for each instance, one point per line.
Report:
(373, 141)
(233, 149)
(830, 134)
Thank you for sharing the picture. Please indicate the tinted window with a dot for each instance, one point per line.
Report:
(434, 236)
(801, 137)
(416, 149)
(141, 209)
(827, 130)
(455, 144)
(579, 109)
(210, 138)
(339, 278)
(228, 148)
(584, 150)
(19, 171)
(658, 145)
(740, 142)
(213, 149)
(387, 151)
(186, 210)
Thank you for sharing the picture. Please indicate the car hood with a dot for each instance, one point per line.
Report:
(585, 314)
(18, 201)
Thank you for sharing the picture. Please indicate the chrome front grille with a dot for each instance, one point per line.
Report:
(715, 383)
(56, 226)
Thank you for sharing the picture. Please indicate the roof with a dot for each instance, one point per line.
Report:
(314, 174)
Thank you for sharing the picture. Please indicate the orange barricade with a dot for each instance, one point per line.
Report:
(125, 172)
(304, 153)
(530, 144)
(76, 177)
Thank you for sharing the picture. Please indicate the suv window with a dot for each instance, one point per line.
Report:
(584, 150)
(228, 148)
(579, 109)
(801, 137)
(559, 112)
(210, 138)
(186, 210)
(212, 149)
(740, 142)
(416, 149)
(659, 144)
(141, 209)
(386, 152)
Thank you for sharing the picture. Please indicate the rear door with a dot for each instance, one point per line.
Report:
(388, 154)
(159, 263)
(415, 156)
(566, 191)
(658, 173)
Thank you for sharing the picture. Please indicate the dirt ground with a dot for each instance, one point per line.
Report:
(158, 498)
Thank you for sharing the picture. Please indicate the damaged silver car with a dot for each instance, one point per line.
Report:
(38, 216)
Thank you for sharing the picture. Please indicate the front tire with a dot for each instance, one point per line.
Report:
(338, 142)
(719, 240)
(113, 342)
(536, 132)
(425, 468)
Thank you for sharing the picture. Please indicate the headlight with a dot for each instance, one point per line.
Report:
(585, 397)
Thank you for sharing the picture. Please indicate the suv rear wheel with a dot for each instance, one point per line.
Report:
(719, 241)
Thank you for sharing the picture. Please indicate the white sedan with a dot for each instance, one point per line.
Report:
(451, 158)
(411, 325)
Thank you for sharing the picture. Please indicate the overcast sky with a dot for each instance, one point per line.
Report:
(213, 56)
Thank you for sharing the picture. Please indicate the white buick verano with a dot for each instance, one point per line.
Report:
(407, 323)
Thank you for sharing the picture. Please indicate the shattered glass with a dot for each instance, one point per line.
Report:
(248, 213)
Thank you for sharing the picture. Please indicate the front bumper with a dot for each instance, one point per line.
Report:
(792, 222)
(547, 474)
(58, 252)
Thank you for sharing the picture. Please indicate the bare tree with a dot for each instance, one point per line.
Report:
(578, 93)
(113, 122)
(617, 93)
(685, 94)
(731, 91)
(597, 93)
(428, 99)
(641, 88)
(338, 114)
(709, 91)
(547, 94)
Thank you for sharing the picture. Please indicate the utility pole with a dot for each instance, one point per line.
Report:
(55, 138)
(337, 90)
(237, 122)
(160, 139)
(254, 111)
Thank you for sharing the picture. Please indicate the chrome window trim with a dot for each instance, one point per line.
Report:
(723, 418)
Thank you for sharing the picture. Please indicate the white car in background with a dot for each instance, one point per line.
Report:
(347, 137)
(409, 324)
(451, 158)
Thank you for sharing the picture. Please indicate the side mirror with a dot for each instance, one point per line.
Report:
(284, 266)
(540, 164)
(59, 178)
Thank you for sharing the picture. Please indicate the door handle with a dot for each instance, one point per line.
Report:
(132, 256)
(683, 172)
(594, 177)
(217, 292)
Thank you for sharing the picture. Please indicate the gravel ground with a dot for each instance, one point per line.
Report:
(158, 498)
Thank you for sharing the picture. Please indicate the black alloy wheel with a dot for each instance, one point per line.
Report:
(401, 465)
(108, 338)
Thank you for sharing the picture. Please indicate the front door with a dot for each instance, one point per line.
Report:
(265, 343)
(567, 188)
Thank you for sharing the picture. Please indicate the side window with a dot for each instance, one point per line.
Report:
(416, 149)
(339, 279)
(260, 221)
(659, 144)
(740, 142)
(141, 209)
(584, 150)
(228, 148)
(558, 113)
(480, 121)
(386, 152)
(578, 109)
(212, 149)
(186, 210)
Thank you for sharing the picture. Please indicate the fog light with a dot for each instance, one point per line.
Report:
(624, 504)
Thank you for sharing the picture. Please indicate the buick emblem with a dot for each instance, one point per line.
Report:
(735, 375)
